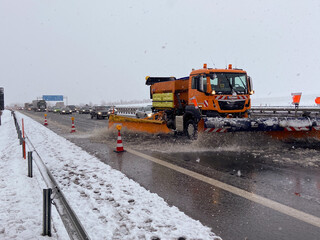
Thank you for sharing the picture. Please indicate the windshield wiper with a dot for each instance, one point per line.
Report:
(232, 89)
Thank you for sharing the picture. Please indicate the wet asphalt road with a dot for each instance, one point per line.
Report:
(287, 173)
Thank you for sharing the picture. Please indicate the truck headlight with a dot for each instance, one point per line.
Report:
(99, 113)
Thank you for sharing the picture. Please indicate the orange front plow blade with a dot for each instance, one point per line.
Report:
(139, 125)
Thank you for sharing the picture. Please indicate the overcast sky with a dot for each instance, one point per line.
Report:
(94, 51)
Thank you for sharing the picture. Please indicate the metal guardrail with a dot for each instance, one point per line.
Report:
(127, 110)
(304, 111)
(70, 220)
(275, 109)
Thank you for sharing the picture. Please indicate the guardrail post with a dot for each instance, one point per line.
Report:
(30, 164)
(47, 212)
(23, 148)
(20, 136)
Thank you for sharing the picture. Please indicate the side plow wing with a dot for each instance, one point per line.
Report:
(280, 128)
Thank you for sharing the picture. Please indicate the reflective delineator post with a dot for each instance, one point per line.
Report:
(73, 129)
(119, 148)
(296, 100)
(45, 120)
(47, 212)
(24, 148)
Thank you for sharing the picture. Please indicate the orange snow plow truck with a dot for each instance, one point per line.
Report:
(211, 100)
(180, 104)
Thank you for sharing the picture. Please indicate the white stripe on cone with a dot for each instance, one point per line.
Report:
(73, 129)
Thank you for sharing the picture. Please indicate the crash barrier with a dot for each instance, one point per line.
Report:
(254, 109)
(285, 111)
(127, 110)
(71, 222)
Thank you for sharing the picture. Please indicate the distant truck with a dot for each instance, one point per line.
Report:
(28, 106)
(60, 104)
(39, 105)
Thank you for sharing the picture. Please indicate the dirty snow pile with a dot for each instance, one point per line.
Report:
(108, 204)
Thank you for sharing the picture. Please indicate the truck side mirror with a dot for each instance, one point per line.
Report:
(251, 91)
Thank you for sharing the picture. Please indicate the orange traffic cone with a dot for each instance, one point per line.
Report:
(45, 120)
(73, 129)
(119, 141)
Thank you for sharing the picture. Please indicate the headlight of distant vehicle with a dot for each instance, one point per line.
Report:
(99, 113)
(149, 114)
(63, 111)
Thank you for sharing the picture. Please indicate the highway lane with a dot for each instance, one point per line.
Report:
(250, 167)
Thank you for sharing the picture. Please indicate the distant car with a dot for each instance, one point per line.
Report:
(144, 112)
(100, 112)
(84, 110)
(73, 108)
(112, 110)
(66, 111)
(56, 110)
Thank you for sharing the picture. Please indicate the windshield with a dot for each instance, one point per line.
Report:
(101, 108)
(228, 83)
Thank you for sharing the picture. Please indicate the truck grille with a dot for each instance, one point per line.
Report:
(230, 105)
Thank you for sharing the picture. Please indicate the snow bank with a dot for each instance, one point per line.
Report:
(20, 196)
(109, 205)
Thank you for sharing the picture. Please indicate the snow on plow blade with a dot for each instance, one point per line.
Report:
(140, 125)
(280, 128)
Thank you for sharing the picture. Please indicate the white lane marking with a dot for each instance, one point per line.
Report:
(302, 216)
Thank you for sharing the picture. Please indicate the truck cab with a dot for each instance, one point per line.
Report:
(220, 92)
(205, 93)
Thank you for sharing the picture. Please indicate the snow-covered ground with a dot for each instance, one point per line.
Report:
(109, 205)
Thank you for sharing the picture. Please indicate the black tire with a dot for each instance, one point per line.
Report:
(191, 129)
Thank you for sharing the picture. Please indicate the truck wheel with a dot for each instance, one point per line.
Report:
(191, 130)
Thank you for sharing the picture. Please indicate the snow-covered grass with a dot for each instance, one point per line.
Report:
(109, 205)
